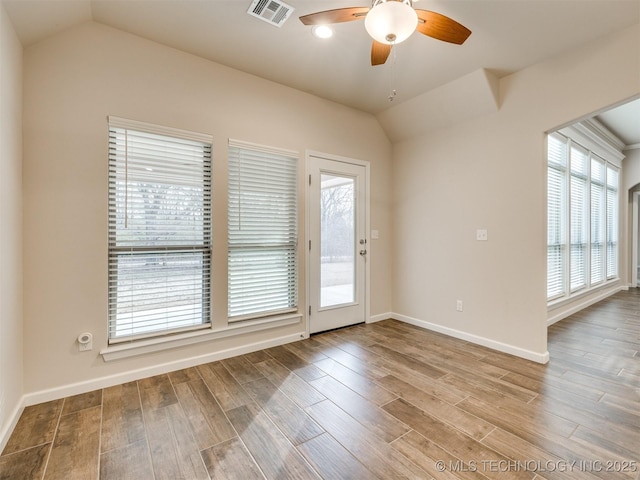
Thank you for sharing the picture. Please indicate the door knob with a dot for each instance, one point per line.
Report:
(363, 252)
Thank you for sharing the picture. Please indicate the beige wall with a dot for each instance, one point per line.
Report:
(630, 170)
(490, 173)
(11, 386)
(73, 81)
(630, 184)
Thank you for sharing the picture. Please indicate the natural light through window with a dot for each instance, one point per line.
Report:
(337, 224)
(263, 231)
(159, 231)
(582, 218)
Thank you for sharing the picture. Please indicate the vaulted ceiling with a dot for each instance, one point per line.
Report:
(507, 35)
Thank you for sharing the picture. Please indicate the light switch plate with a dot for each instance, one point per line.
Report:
(481, 235)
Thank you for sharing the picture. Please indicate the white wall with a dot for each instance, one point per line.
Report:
(631, 169)
(11, 386)
(72, 82)
(490, 172)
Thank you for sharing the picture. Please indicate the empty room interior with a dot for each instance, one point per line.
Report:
(319, 239)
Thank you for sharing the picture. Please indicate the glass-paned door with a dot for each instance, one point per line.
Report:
(338, 246)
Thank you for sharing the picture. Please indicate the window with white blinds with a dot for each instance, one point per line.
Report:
(579, 220)
(263, 231)
(613, 178)
(159, 230)
(598, 220)
(582, 200)
(556, 212)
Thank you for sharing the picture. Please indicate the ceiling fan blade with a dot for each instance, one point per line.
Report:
(338, 15)
(440, 27)
(379, 53)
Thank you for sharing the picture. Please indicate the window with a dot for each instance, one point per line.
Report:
(556, 208)
(159, 230)
(582, 218)
(578, 201)
(598, 219)
(612, 222)
(263, 231)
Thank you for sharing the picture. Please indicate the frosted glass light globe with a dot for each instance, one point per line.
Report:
(322, 31)
(391, 22)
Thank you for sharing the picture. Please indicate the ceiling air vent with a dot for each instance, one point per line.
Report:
(274, 12)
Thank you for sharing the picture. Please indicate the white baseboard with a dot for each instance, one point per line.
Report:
(586, 302)
(7, 429)
(485, 342)
(379, 317)
(131, 375)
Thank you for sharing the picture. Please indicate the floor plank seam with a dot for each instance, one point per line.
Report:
(229, 421)
(100, 431)
(22, 450)
(146, 435)
(402, 436)
(53, 439)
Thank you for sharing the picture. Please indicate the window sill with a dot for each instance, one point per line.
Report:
(141, 347)
(559, 302)
(564, 307)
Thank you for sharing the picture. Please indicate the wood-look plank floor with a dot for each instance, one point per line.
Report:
(385, 401)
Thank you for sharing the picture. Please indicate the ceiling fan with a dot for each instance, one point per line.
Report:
(390, 22)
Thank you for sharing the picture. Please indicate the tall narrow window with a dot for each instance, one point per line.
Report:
(556, 208)
(159, 230)
(579, 219)
(612, 222)
(263, 231)
(598, 219)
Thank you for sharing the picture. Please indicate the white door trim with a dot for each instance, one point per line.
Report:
(634, 239)
(364, 163)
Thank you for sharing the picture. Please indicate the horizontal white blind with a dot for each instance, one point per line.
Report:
(613, 178)
(597, 220)
(263, 231)
(556, 211)
(582, 199)
(579, 218)
(159, 232)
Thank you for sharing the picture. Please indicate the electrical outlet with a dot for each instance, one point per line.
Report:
(481, 235)
(85, 342)
(459, 305)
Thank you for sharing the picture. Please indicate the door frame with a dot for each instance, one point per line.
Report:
(635, 211)
(309, 154)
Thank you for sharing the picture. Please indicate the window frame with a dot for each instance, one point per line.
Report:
(614, 231)
(239, 245)
(579, 219)
(558, 211)
(574, 140)
(172, 253)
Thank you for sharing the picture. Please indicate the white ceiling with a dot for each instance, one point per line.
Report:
(508, 35)
(624, 122)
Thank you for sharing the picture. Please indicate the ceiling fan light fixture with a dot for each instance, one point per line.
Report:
(322, 31)
(391, 21)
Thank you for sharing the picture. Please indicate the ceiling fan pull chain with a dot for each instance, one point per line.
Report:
(393, 93)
